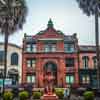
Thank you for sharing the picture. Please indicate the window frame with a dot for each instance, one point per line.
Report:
(32, 78)
(86, 79)
(68, 60)
(2, 57)
(69, 79)
(94, 62)
(69, 47)
(14, 57)
(85, 60)
(50, 47)
(31, 63)
(31, 47)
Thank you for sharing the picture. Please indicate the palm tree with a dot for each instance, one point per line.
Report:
(12, 17)
(92, 7)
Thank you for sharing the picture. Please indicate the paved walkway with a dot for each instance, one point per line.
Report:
(97, 98)
(73, 97)
(81, 98)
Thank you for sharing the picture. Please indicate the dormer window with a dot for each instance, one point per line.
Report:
(69, 47)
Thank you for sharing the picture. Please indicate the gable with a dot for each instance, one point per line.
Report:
(50, 32)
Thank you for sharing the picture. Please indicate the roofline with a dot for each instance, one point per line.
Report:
(11, 44)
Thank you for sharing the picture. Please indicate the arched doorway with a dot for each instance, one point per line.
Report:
(52, 68)
(13, 74)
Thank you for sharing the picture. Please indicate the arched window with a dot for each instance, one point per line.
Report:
(85, 61)
(1, 57)
(14, 59)
(95, 61)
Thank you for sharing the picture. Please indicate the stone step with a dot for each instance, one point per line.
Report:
(49, 97)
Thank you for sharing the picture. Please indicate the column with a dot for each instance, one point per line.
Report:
(76, 72)
(61, 75)
(39, 73)
(24, 70)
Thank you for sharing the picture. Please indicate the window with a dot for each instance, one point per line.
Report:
(53, 48)
(95, 62)
(69, 47)
(31, 63)
(34, 48)
(31, 47)
(46, 48)
(28, 47)
(14, 59)
(94, 80)
(85, 61)
(50, 47)
(70, 79)
(85, 79)
(70, 62)
(30, 78)
(1, 57)
(1, 73)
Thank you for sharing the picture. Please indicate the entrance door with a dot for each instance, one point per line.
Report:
(13, 74)
(52, 69)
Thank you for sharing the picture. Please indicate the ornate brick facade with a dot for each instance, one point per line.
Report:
(50, 49)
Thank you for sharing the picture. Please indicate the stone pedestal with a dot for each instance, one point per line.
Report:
(49, 97)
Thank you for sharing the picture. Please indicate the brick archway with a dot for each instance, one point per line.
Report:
(55, 61)
(51, 66)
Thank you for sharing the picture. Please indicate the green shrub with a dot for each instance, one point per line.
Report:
(37, 94)
(23, 95)
(8, 96)
(88, 95)
(60, 93)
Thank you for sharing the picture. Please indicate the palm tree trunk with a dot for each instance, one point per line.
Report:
(5, 58)
(97, 48)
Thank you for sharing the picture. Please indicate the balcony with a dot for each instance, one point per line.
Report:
(88, 68)
(50, 51)
(30, 70)
(70, 69)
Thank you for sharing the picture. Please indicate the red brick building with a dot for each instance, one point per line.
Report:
(50, 49)
(87, 66)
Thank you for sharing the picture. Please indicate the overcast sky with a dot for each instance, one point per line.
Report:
(65, 15)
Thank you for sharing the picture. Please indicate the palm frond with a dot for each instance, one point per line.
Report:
(89, 6)
(15, 14)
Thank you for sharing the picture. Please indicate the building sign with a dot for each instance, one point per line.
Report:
(7, 82)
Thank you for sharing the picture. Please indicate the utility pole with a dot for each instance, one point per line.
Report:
(97, 47)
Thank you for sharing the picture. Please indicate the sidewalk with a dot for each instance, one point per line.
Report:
(74, 97)
(97, 98)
